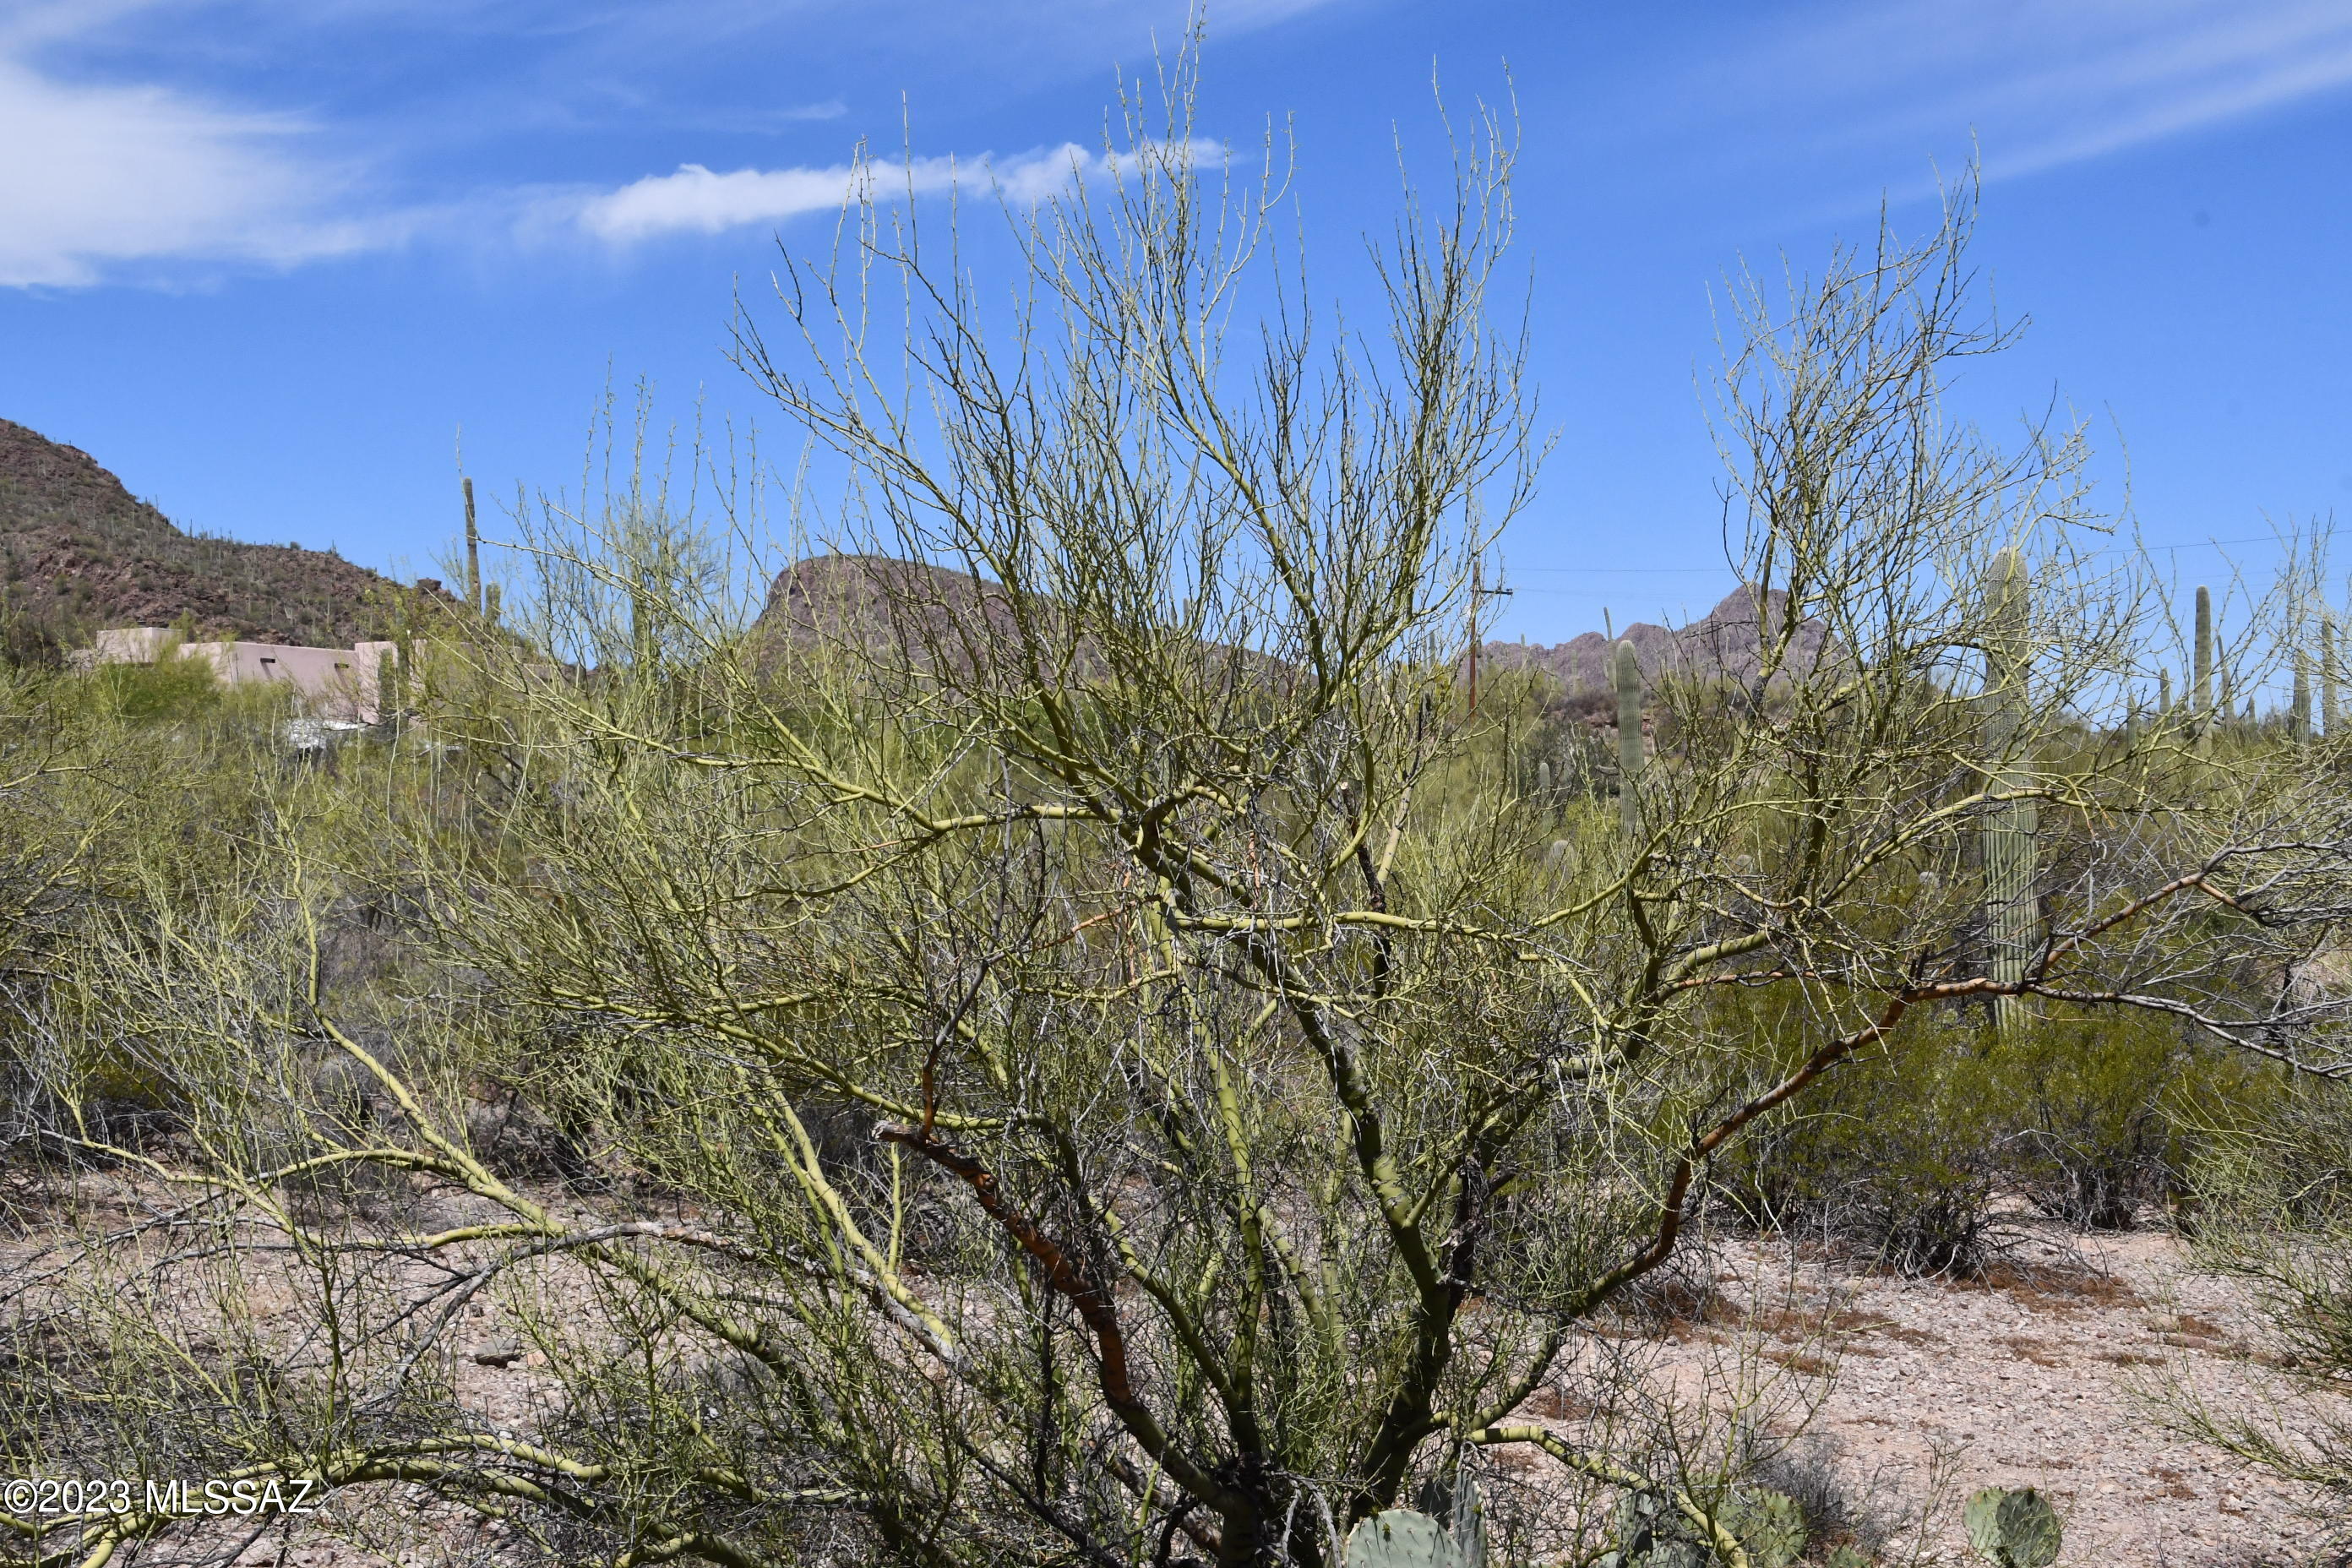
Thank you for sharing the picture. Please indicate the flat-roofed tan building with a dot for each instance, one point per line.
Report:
(329, 682)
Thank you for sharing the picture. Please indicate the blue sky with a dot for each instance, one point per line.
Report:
(265, 259)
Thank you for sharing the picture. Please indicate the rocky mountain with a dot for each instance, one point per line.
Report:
(78, 553)
(878, 601)
(1727, 642)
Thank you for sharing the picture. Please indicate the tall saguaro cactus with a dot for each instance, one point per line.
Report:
(2330, 714)
(1628, 676)
(2203, 692)
(389, 692)
(2299, 710)
(2164, 691)
(2009, 826)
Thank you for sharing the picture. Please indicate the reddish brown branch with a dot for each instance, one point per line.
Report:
(1092, 1300)
(1671, 1211)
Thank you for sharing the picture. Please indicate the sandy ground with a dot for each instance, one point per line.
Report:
(2040, 1378)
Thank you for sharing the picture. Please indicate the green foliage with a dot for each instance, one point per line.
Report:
(1654, 1529)
(1104, 1048)
(2107, 1111)
(2275, 1207)
(1769, 1525)
(1897, 1156)
(177, 687)
(2090, 1118)
(2013, 1529)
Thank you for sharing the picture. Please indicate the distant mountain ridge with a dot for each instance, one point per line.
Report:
(78, 553)
(1728, 642)
(877, 600)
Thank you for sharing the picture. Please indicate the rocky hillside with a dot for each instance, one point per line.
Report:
(78, 553)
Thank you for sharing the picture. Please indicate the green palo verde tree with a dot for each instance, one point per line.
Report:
(1069, 1044)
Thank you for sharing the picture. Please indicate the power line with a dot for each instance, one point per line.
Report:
(1714, 571)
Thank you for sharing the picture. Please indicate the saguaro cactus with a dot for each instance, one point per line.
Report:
(2009, 864)
(2203, 692)
(491, 603)
(1628, 675)
(2164, 691)
(2013, 1529)
(387, 687)
(403, 667)
(2299, 710)
(2329, 714)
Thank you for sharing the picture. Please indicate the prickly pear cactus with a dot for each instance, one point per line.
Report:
(1769, 1525)
(2013, 1529)
(1469, 1523)
(1400, 1538)
(1651, 1533)
(1404, 1538)
(1847, 1556)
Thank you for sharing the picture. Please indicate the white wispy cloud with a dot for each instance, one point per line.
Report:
(128, 152)
(95, 177)
(2040, 84)
(696, 200)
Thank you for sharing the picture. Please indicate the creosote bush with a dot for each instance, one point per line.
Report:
(2094, 1119)
(2275, 1198)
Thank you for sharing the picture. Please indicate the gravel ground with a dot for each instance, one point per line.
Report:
(2039, 1378)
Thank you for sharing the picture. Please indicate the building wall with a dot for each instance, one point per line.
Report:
(330, 682)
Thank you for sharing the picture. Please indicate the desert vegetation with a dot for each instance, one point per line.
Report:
(1072, 1037)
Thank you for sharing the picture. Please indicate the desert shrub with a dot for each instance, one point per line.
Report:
(2276, 1211)
(174, 688)
(2092, 1140)
(2108, 1112)
(2091, 1119)
(1114, 1060)
(1899, 1157)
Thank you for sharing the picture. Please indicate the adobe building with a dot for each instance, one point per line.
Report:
(330, 683)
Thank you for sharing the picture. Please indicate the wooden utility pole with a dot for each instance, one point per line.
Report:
(1478, 591)
(473, 554)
